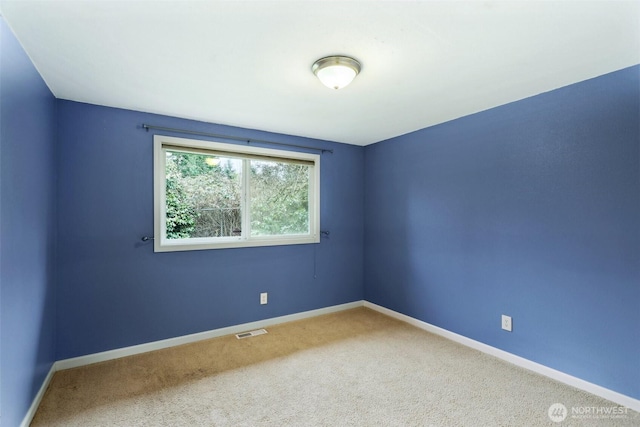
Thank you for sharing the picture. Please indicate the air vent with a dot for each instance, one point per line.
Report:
(251, 334)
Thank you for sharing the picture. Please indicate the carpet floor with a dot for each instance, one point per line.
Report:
(352, 368)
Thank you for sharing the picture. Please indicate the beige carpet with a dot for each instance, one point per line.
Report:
(353, 368)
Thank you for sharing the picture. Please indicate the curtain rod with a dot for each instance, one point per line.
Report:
(235, 138)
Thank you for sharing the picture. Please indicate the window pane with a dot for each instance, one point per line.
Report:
(279, 198)
(203, 195)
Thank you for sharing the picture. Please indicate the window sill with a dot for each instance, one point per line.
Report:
(198, 244)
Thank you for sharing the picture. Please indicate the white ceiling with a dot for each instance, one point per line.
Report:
(248, 63)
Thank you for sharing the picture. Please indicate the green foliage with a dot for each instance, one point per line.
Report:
(204, 195)
(180, 215)
(192, 165)
(212, 192)
(279, 198)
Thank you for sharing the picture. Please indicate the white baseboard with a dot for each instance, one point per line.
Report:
(578, 383)
(186, 339)
(36, 400)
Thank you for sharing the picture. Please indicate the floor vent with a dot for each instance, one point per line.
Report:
(251, 334)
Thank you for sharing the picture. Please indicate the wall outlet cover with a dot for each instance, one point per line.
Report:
(506, 323)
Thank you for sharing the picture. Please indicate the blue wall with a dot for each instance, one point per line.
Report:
(532, 210)
(114, 291)
(27, 229)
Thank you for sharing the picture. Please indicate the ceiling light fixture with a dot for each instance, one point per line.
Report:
(336, 72)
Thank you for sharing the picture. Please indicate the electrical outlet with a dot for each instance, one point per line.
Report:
(506, 322)
(263, 298)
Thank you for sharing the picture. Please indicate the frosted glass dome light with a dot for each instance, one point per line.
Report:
(336, 72)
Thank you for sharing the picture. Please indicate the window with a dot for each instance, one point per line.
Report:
(211, 195)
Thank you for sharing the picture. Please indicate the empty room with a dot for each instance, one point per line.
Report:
(319, 213)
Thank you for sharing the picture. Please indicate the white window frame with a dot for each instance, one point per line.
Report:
(162, 244)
